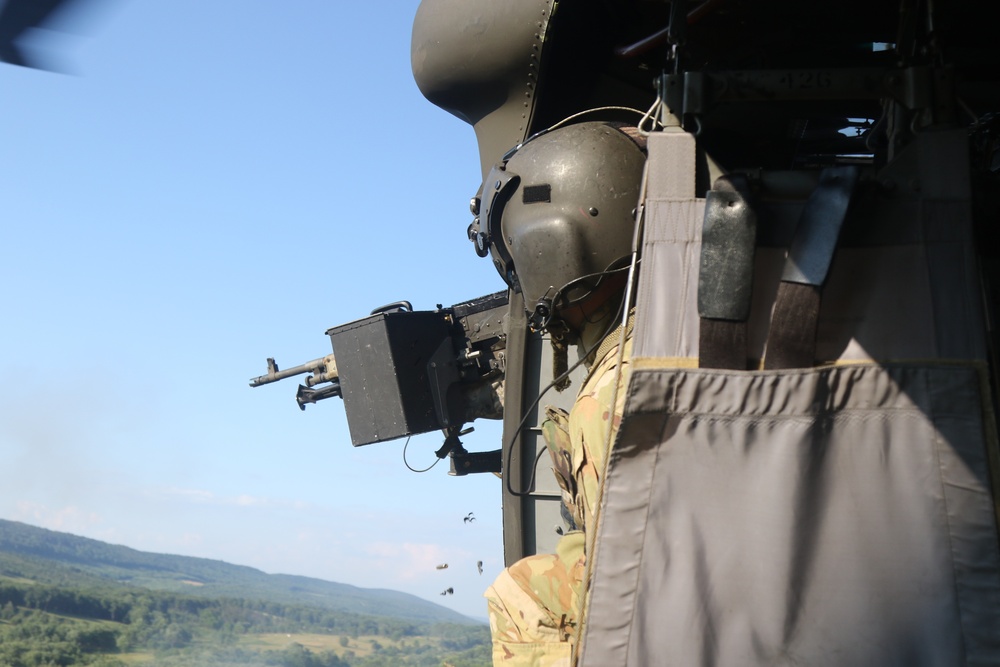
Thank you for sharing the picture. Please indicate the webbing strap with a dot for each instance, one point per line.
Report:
(791, 341)
(725, 279)
(722, 344)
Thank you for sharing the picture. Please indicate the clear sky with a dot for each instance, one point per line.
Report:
(209, 183)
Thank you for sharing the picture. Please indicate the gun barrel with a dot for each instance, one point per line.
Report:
(325, 365)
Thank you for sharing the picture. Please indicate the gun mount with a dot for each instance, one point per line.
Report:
(402, 372)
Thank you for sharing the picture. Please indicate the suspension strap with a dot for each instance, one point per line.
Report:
(791, 340)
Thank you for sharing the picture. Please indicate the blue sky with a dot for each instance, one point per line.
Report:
(209, 183)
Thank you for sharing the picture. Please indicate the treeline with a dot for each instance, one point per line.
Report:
(43, 626)
(34, 639)
(149, 609)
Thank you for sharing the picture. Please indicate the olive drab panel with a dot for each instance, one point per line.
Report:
(839, 514)
(479, 60)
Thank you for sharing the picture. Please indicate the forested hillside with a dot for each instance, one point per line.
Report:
(54, 558)
(70, 612)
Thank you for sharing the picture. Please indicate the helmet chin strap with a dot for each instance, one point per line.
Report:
(598, 322)
(587, 320)
(583, 324)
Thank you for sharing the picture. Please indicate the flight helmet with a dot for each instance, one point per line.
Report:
(557, 214)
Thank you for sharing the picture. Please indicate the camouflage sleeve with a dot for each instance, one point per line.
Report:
(588, 424)
(533, 607)
(555, 431)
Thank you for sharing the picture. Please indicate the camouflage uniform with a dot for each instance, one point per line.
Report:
(534, 605)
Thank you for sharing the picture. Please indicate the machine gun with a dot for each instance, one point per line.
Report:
(402, 372)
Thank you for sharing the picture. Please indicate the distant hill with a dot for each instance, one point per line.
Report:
(61, 559)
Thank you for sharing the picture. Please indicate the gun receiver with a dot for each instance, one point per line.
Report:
(403, 372)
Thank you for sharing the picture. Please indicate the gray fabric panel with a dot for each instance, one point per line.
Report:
(877, 305)
(667, 319)
(902, 286)
(954, 291)
(671, 164)
(825, 517)
(886, 302)
(671, 249)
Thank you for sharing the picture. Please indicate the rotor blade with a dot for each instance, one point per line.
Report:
(19, 16)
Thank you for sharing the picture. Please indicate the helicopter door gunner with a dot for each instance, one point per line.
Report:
(560, 228)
